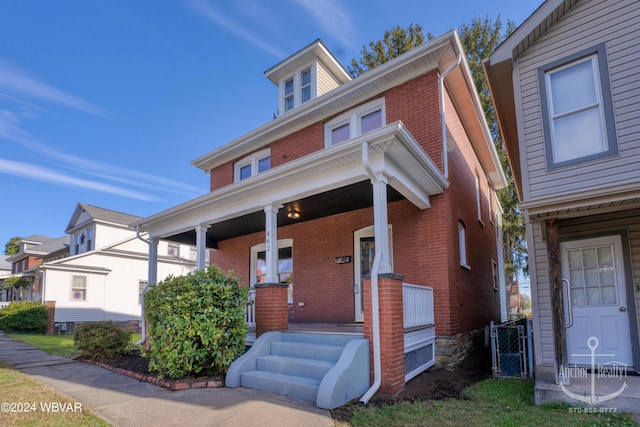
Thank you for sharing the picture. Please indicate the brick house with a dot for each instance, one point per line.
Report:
(383, 184)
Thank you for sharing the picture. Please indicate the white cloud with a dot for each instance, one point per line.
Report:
(224, 21)
(110, 172)
(39, 173)
(20, 83)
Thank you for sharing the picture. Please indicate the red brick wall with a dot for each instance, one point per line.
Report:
(473, 302)
(425, 243)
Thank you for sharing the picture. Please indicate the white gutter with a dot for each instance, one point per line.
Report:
(445, 161)
(375, 303)
(143, 323)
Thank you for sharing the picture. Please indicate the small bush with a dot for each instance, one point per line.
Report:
(101, 340)
(24, 316)
(196, 323)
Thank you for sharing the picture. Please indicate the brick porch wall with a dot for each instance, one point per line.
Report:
(391, 331)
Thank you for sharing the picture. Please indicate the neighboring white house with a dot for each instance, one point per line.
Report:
(106, 270)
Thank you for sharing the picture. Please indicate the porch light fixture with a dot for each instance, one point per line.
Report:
(293, 214)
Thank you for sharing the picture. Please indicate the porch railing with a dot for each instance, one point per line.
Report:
(250, 309)
(417, 305)
(3, 304)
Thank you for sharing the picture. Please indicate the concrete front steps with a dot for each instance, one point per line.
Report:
(324, 368)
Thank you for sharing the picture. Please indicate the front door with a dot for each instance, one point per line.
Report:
(364, 252)
(594, 280)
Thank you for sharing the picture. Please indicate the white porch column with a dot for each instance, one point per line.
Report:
(381, 221)
(271, 243)
(152, 278)
(201, 246)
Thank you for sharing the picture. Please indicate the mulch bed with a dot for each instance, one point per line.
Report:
(434, 383)
(136, 366)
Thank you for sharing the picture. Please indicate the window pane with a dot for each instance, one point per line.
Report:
(306, 94)
(575, 259)
(245, 172)
(608, 295)
(593, 296)
(371, 121)
(306, 77)
(288, 103)
(578, 135)
(340, 134)
(288, 87)
(264, 164)
(573, 88)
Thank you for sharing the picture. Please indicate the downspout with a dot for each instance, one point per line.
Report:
(143, 323)
(445, 161)
(42, 283)
(375, 304)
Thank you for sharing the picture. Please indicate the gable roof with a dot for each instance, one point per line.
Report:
(436, 54)
(53, 245)
(499, 69)
(98, 214)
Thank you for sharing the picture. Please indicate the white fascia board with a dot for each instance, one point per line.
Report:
(383, 77)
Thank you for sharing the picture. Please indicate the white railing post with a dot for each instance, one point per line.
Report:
(250, 309)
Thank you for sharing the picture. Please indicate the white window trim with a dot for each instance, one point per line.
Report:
(72, 287)
(262, 247)
(252, 160)
(297, 87)
(495, 275)
(352, 117)
(478, 199)
(462, 244)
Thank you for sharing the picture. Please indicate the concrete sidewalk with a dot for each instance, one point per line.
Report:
(124, 401)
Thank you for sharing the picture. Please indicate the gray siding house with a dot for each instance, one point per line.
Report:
(565, 86)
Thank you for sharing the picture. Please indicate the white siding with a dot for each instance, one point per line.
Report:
(589, 23)
(326, 82)
(106, 235)
(538, 261)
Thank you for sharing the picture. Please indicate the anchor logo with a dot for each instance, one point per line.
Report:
(593, 399)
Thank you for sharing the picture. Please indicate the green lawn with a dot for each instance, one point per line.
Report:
(493, 402)
(59, 344)
(24, 403)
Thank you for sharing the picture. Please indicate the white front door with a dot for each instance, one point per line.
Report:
(593, 272)
(364, 253)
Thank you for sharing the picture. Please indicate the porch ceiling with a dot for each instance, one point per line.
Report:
(343, 199)
(321, 184)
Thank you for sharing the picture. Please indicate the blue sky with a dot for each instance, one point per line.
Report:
(107, 102)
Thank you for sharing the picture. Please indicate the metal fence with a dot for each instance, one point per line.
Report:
(512, 349)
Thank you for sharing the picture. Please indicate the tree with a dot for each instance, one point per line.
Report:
(479, 39)
(12, 247)
(395, 42)
(525, 303)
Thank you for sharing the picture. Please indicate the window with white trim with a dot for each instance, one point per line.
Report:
(478, 199)
(173, 249)
(285, 264)
(363, 119)
(78, 288)
(252, 165)
(495, 275)
(577, 109)
(298, 89)
(462, 243)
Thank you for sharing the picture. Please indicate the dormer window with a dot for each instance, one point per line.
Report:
(252, 165)
(297, 89)
(305, 86)
(354, 123)
(288, 94)
(306, 75)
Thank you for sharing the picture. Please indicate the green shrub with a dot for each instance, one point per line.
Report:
(24, 316)
(101, 340)
(196, 323)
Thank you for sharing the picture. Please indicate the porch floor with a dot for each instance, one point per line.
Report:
(333, 328)
(546, 390)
